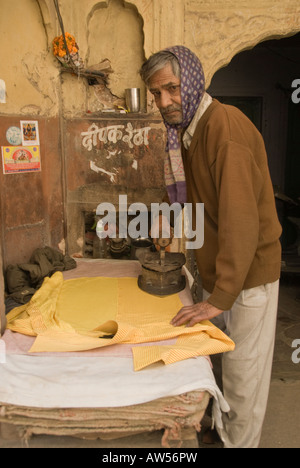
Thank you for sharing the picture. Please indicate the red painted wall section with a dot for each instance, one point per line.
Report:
(31, 204)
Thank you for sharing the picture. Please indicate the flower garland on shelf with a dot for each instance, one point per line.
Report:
(65, 49)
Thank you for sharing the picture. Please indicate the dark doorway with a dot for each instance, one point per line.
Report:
(259, 82)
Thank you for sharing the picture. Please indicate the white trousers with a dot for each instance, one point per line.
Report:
(246, 371)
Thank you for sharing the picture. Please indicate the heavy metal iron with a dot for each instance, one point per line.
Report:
(161, 271)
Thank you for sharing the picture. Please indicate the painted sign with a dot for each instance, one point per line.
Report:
(114, 133)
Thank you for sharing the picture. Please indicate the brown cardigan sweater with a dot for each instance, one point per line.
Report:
(226, 168)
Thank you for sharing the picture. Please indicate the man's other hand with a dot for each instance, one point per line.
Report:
(190, 315)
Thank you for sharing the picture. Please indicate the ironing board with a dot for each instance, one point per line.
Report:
(96, 393)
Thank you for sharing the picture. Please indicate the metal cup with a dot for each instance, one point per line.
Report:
(132, 98)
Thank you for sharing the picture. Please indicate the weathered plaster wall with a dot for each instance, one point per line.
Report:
(124, 32)
(27, 67)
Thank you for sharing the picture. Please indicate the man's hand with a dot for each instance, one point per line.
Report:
(190, 315)
(161, 229)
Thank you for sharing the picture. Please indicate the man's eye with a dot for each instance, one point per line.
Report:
(173, 89)
(156, 94)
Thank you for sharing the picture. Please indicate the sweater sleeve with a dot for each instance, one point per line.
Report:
(238, 182)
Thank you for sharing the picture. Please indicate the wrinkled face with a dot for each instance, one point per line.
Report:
(165, 87)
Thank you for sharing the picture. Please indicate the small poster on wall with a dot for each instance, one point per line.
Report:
(30, 132)
(19, 159)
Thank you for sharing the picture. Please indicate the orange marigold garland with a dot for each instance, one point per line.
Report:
(60, 51)
(59, 47)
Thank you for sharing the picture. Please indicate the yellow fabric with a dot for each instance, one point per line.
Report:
(73, 315)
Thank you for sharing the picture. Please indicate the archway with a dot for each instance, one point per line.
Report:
(259, 82)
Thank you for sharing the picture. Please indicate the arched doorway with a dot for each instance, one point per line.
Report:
(259, 82)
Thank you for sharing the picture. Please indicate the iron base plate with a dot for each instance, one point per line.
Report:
(163, 290)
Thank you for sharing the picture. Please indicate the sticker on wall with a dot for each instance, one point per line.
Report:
(30, 132)
(2, 92)
(19, 159)
(14, 136)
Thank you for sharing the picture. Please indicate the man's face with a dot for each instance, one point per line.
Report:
(165, 87)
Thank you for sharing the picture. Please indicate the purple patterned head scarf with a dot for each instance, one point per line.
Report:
(192, 90)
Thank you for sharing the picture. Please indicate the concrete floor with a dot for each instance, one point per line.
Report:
(281, 427)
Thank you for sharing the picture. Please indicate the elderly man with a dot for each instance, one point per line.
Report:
(216, 156)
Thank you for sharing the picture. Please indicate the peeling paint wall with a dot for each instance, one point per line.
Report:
(27, 66)
(44, 208)
(124, 32)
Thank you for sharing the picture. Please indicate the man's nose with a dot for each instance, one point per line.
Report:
(165, 99)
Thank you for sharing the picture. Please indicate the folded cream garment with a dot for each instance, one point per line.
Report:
(77, 314)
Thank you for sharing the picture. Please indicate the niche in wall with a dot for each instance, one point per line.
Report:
(115, 32)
